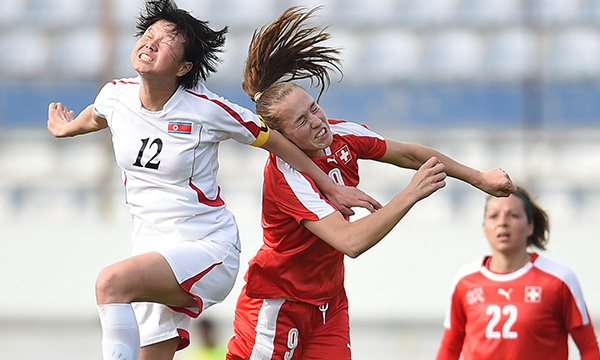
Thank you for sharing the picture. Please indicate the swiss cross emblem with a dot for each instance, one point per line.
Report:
(344, 154)
(533, 294)
(474, 296)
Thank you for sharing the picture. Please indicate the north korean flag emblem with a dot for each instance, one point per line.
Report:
(179, 127)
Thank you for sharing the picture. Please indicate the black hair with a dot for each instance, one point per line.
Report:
(201, 42)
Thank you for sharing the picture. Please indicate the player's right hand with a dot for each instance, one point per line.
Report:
(428, 179)
(496, 182)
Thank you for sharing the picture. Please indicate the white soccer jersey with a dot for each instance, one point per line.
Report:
(169, 160)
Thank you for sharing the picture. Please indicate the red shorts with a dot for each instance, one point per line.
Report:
(288, 329)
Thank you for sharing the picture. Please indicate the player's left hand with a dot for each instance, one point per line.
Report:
(58, 118)
(346, 197)
(496, 182)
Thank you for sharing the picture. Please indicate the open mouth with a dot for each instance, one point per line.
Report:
(503, 236)
(145, 57)
(321, 133)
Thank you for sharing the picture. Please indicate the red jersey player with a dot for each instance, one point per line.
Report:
(515, 304)
(294, 305)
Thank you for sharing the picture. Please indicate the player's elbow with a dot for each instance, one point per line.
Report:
(354, 248)
(354, 254)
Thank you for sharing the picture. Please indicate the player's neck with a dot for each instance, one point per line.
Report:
(154, 96)
(503, 264)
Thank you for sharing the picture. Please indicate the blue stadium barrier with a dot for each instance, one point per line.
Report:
(415, 105)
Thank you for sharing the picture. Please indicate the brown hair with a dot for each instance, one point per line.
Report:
(535, 215)
(283, 51)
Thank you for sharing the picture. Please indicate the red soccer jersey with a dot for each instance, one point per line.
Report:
(526, 314)
(293, 262)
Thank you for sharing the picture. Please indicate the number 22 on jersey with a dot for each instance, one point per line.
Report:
(506, 315)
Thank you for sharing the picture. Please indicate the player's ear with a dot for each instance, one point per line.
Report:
(531, 228)
(186, 66)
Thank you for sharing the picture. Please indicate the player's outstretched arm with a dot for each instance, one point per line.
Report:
(495, 182)
(62, 122)
(354, 238)
(342, 197)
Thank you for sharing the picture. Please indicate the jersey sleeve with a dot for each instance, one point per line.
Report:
(450, 346)
(585, 339)
(294, 193)
(573, 308)
(264, 134)
(455, 322)
(105, 100)
(366, 143)
(454, 329)
(223, 120)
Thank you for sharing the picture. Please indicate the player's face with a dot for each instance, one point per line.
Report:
(159, 52)
(304, 123)
(506, 226)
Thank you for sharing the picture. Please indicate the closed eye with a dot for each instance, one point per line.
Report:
(301, 121)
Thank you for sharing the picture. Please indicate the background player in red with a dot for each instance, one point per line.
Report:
(294, 305)
(166, 127)
(515, 304)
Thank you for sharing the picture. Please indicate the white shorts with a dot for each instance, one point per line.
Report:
(206, 270)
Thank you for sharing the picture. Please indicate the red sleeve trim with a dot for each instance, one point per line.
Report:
(251, 126)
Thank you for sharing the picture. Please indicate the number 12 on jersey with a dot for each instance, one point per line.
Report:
(150, 164)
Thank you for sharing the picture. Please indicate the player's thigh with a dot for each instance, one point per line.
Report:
(270, 329)
(146, 277)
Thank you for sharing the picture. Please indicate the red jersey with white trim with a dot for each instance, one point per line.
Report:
(169, 160)
(526, 314)
(293, 262)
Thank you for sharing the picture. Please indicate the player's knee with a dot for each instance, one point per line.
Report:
(110, 287)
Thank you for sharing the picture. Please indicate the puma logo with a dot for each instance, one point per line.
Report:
(505, 293)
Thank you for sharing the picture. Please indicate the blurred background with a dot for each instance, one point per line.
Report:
(492, 83)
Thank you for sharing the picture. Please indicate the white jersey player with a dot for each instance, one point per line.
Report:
(169, 160)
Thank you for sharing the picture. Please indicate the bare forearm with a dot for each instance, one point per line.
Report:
(494, 182)
(354, 238)
(364, 233)
(63, 123)
(86, 122)
(454, 169)
(291, 154)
